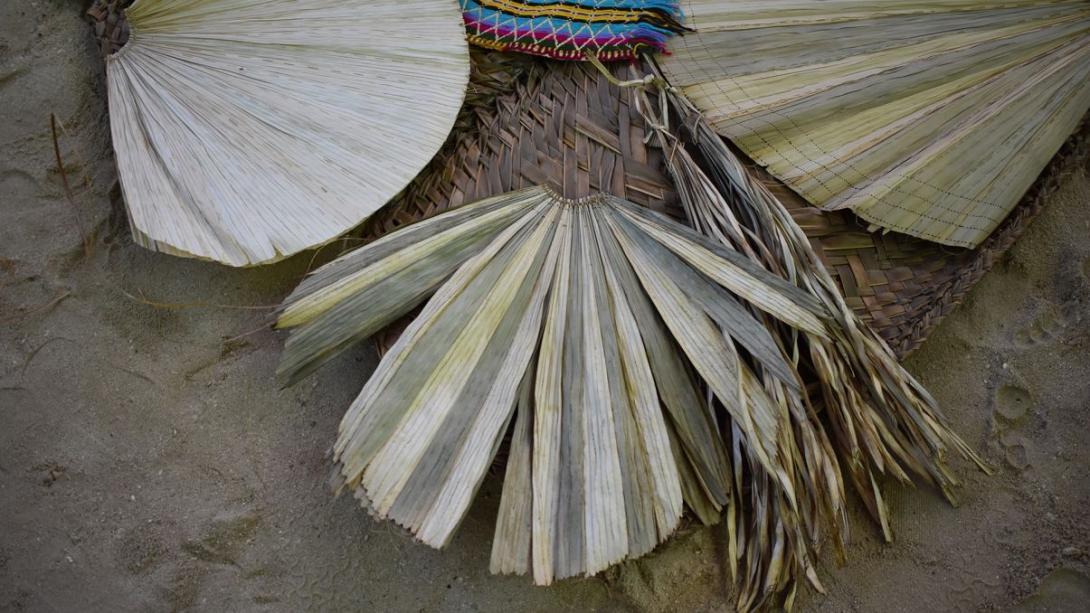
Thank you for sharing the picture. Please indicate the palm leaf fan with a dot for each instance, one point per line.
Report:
(928, 118)
(248, 131)
(596, 319)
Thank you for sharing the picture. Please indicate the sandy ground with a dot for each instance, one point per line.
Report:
(148, 461)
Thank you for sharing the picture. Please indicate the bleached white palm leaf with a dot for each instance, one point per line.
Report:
(926, 117)
(246, 130)
(599, 323)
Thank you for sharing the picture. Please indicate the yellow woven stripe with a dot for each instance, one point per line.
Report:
(487, 43)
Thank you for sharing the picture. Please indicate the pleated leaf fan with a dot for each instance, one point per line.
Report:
(928, 118)
(596, 318)
(249, 131)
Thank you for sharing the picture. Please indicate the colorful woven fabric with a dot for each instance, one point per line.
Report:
(573, 29)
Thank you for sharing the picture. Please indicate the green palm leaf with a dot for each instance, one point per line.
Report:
(598, 325)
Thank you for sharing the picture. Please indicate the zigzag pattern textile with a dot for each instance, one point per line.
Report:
(573, 29)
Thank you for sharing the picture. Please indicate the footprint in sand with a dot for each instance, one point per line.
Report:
(1012, 404)
(1050, 326)
(1064, 589)
(1015, 451)
(1059, 320)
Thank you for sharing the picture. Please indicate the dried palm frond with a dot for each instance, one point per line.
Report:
(600, 324)
(867, 417)
(929, 118)
(248, 131)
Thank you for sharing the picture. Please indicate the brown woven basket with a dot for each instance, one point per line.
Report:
(532, 121)
(111, 28)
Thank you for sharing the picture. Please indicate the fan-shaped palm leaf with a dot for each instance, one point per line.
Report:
(605, 318)
(247, 131)
(929, 118)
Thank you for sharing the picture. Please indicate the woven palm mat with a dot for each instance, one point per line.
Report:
(565, 125)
